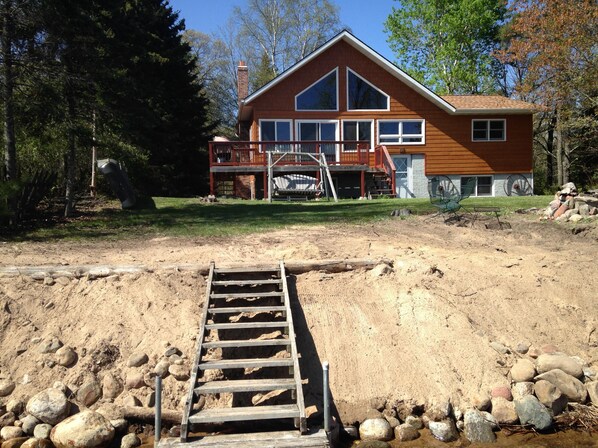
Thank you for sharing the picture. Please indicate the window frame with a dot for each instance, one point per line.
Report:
(372, 86)
(475, 190)
(275, 121)
(357, 120)
(335, 70)
(487, 121)
(400, 134)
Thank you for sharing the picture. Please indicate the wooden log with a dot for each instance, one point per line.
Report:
(148, 415)
(98, 271)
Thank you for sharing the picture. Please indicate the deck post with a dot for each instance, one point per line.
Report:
(326, 393)
(362, 181)
(158, 419)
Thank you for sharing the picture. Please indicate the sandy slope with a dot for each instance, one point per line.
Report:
(421, 332)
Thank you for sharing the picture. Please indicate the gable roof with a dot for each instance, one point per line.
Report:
(488, 104)
(459, 107)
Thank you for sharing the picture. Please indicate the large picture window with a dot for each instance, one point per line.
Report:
(357, 130)
(361, 95)
(275, 131)
(321, 95)
(488, 130)
(403, 132)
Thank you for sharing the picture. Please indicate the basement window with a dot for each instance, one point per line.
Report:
(483, 185)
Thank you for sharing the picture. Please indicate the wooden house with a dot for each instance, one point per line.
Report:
(378, 130)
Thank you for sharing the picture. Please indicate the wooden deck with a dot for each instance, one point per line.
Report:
(275, 439)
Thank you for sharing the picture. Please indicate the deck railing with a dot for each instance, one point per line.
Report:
(383, 161)
(345, 152)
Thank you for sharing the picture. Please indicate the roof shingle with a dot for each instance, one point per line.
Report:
(483, 102)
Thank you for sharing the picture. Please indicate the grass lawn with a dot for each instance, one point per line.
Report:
(190, 217)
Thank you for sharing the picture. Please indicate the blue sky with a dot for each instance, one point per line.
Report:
(364, 17)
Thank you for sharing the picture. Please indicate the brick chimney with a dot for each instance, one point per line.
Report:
(242, 81)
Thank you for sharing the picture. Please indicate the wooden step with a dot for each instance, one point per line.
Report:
(245, 295)
(247, 343)
(246, 282)
(245, 363)
(244, 270)
(221, 387)
(246, 309)
(216, 415)
(245, 325)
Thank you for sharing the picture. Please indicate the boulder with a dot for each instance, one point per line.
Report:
(179, 372)
(502, 391)
(11, 432)
(87, 429)
(523, 370)
(523, 347)
(551, 361)
(7, 419)
(351, 431)
(6, 387)
(42, 431)
(406, 432)
(134, 380)
(15, 406)
(477, 429)
(375, 429)
(131, 401)
(392, 421)
(172, 351)
(89, 392)
(445, 431)
(592, 388)
(111, 386)
(50, 406)
(520, 390)
(161, 368)
(137, 359)
(130, 441)
(28, 424)
(503, 411)
(414, 421)
(482, 402)
(570, 386)
(37, 443)
(14, 443)
(50, 345)
(490, 419)
(532, 412)
(66, 356)
(550, 396)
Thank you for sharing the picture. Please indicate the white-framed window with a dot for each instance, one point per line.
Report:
(275, 131)
(403, 132)
(321, 95)
(483, 185)
(357, 130)
(363, 95)
(489, 130)
(317, 131)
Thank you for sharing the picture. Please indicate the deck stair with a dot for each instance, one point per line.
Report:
(246, 347)
(379, 185)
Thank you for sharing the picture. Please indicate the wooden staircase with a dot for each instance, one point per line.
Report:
(379, 185)
(246, 347)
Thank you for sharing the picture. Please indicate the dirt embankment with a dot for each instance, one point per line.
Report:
(421, 332)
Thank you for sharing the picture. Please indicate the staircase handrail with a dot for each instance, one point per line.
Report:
(384, 162)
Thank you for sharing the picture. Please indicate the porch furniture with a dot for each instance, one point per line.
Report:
(479, 210)
(446, 197)
(296, 186)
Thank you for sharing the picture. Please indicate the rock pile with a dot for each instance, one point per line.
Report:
(569, 206)
(89, 413)
(539, 386)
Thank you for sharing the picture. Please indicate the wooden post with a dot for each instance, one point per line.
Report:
(362, 184)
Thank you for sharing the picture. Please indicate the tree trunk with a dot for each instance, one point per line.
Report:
(71, 150)
(559, 149)
(550, 152)
(10, 154)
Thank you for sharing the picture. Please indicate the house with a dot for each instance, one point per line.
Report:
(378, 130)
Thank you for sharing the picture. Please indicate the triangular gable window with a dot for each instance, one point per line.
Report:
(361, 95)
(321, 95)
